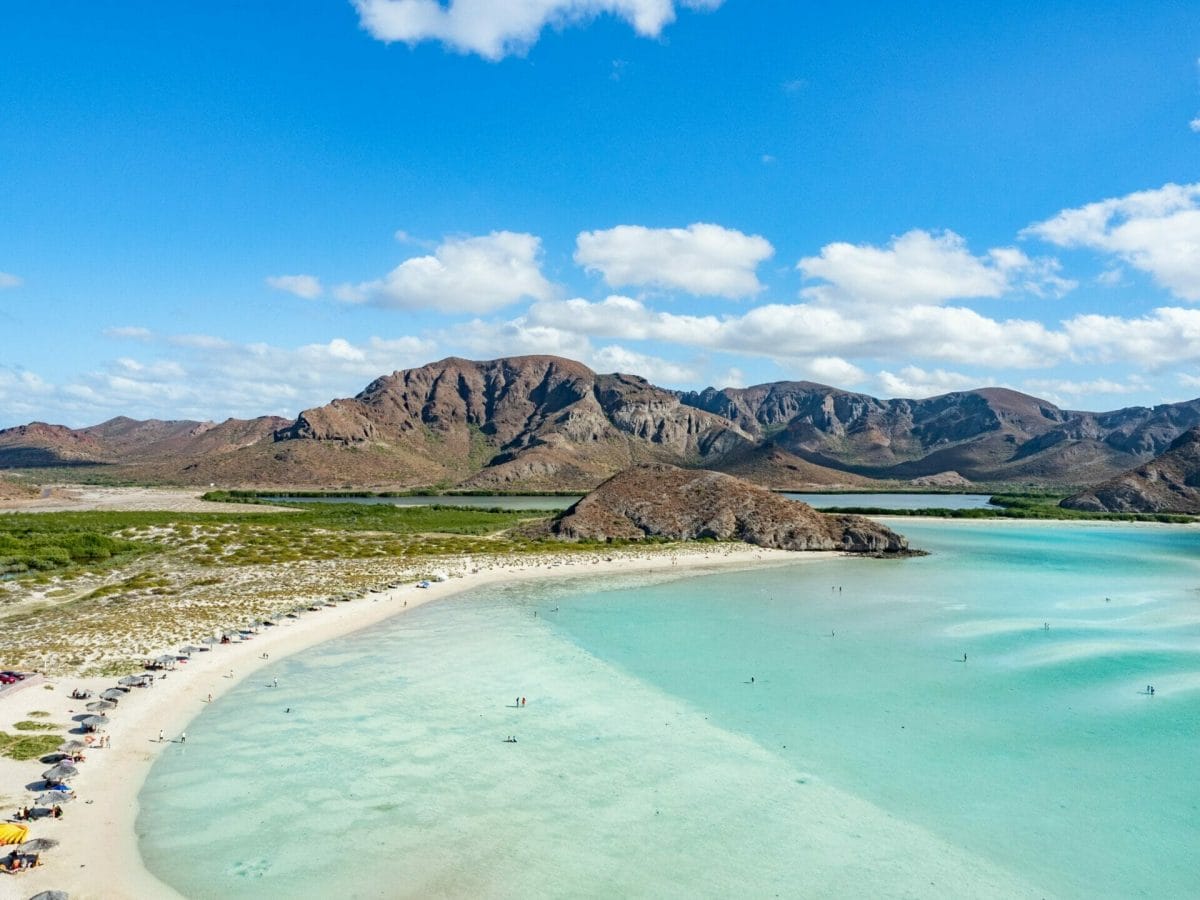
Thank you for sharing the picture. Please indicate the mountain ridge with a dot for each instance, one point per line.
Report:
(545, 422)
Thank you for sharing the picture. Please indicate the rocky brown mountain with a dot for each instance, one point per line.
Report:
(542, 422)
(1169, 483)
(687, 504)
(989, 435)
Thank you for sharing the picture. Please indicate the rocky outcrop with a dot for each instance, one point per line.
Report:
(1170, 483)
(666, 501)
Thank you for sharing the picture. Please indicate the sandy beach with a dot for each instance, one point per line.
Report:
(98, 856)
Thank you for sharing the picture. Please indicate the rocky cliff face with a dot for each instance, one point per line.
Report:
(1170, 483)
(990, 434)
(666, 501)
(531, 421)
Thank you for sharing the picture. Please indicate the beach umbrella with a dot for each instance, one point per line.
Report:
(37, 845)
(71, 746)
(167, 660)
(51, 895)
(60, 773)
(130, 680)
(12, 833)
(53, 798)
(94, 721)
(112, 694)
(189, 650)
(100, 705)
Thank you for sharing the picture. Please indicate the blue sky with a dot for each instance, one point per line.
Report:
(227, 209)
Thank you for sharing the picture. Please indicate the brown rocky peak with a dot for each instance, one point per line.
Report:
(685, 504)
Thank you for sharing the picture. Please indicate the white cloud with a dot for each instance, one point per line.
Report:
(834, 370)
(1189, 381)
(497, 28)
(1065, 390)
(614, 358)
(916, 383)
(8, 280)
(306, 286)
(809, 331)
(129, 332)
(1194, 124)
(1164, 336)
(1156, 231)
(207, 377)
(700, 259)
(468, 274)
(919, 267)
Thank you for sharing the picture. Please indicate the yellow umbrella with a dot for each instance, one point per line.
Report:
(11, 833)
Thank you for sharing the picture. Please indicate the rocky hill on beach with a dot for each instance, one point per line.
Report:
(1169, 483)
(547, 423)
(666, 501)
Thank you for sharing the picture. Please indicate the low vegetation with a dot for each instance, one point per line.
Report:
(22, 747)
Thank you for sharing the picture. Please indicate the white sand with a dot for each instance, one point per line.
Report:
(99, 855)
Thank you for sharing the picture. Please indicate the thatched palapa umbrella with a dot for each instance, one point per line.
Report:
(60, 773)
(51, 895)
(53, 798)
(130, 680)
(71, 746)
(94, 722)
(37, 845)
(101, 705)
(189, 650)
(113, 694)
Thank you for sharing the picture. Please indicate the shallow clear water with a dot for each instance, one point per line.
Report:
(513, 501)
(865, 759)
(896, 501)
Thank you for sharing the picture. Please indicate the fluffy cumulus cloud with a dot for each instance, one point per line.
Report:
(205, 377)
(920, 267)
(306, 286)
(915, 383)
(701, 259)
(469, 274)
(1156, 231)
(8, 280)
(1159, 339)
(494, 29)
(834, 370)
(808, 331)
(1065, 390)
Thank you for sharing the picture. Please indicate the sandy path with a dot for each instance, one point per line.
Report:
(99, 855)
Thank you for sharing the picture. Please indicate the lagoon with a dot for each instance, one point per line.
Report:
(865, 757)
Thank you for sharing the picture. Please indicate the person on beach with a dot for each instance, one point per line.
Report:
(160, 735)
(210, 698)
(522, 701)
(183, 737)
(57, 812)
(274, 682)
(964, 657)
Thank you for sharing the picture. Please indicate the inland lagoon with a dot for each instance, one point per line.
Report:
(974, 722)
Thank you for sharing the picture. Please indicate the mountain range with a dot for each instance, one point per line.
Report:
(543, 422)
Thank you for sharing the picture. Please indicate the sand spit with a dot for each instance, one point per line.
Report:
(98, 857)
(81, 498)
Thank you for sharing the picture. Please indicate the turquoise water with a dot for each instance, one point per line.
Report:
(896, 501)
(513, 501)
(865, 759)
